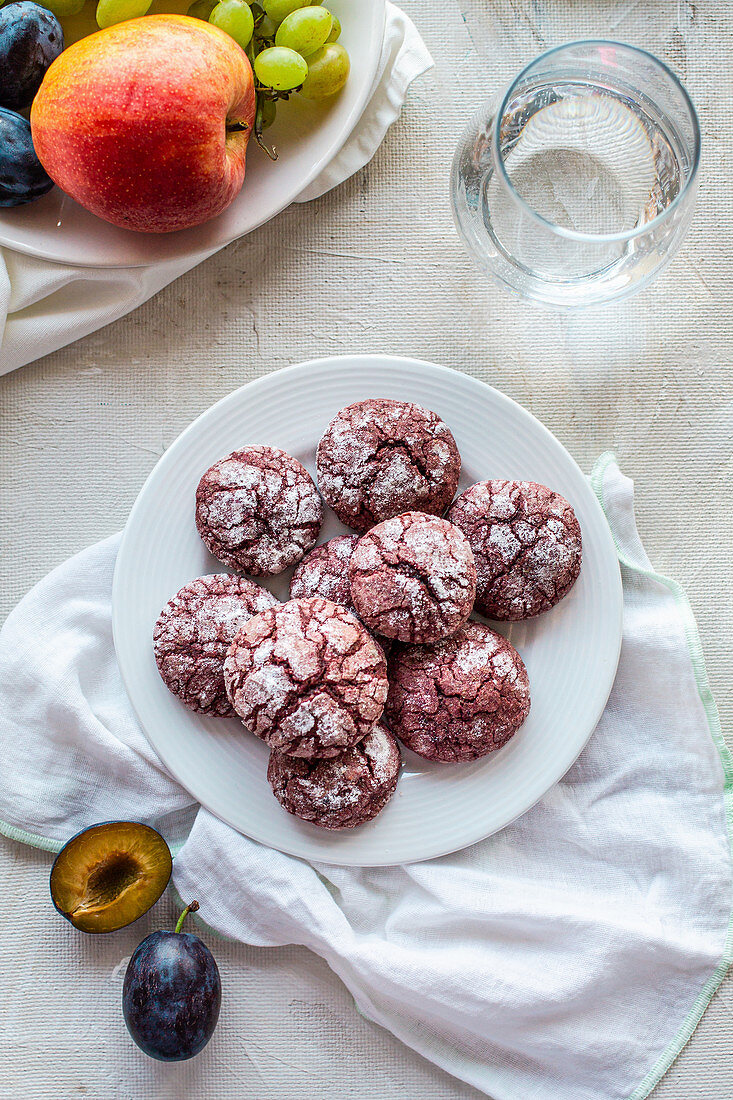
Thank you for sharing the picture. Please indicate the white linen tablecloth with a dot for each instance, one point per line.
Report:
(568, 956)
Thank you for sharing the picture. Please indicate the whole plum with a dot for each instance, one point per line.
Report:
(172, 994)
(30, 39)
(22, 178)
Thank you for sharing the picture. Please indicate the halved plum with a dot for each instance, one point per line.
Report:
(109, 875)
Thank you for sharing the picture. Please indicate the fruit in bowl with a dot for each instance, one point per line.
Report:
(110, 12)
(22, 178)
(30, 39)
(146, 123)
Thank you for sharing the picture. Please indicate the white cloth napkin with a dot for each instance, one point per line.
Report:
(568, 957)
(44, 305)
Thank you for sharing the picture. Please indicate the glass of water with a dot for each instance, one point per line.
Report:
(581, 185)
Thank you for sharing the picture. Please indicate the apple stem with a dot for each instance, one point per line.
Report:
(192, 907)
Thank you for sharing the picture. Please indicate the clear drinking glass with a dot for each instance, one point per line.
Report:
(580, 186)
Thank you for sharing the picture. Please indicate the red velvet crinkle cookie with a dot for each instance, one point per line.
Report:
(307, 677)
(413, 578)
(380, 457)
(324, 571)
(258, 510)
(527, 544)
(459, 699)
(194, 631)
(343, 792)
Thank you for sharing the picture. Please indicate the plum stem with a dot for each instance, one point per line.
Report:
(192, 907)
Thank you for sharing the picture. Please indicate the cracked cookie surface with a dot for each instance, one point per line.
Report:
(380, 457)
(527, 544)
(307, 677)
(413, 578)
(459, 699)
(324, 571)
(258, 510)
(343, 792)
(194, 631)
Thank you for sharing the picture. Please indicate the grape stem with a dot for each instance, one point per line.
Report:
(272, 153)
(255, 46)
(192, 907)
(259, 117)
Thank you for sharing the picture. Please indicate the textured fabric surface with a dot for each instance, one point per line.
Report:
(45, 305)
(373, 266)
(565, 953)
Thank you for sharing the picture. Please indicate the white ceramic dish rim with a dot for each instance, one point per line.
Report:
(563, 763)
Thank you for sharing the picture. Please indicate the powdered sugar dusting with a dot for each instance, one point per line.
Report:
(258, 510)
(527, 544)
(307, 677)
(379, 748)
(475, 655)
(194, 631)
(413, 578)
(379, 457)
(342, 792)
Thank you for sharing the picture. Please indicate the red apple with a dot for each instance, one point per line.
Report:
(146, 123)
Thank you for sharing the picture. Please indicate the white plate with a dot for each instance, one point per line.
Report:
(307, 135)
(571, 652)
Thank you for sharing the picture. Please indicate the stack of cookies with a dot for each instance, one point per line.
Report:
(376, 645)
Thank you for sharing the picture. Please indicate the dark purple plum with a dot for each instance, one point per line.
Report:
(30, 39)
(172, 994)
(22, 177)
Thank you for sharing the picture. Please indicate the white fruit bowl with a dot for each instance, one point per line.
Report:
(307, 135)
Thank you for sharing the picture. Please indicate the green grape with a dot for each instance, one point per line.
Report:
(335, 30)
(62, 8)
(280, 68)
(110, 12)
(280, 9)
(202, 9)
(236, 19)
(328, 71)
(304, 30)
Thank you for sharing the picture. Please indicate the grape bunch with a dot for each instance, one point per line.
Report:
(292, 46)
